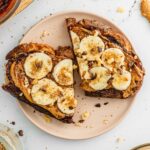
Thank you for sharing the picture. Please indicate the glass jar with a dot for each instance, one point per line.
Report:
(8, 139)
(7, 8)
(142, 147)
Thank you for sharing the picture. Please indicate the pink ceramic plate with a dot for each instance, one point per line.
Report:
(52, 30)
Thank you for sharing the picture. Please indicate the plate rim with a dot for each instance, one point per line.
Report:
(120, 118)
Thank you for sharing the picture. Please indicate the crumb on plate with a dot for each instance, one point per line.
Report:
(47, 119)
(77, 124)
(85, 115)
(120, 139)
(120, 10)
(20, 132)
(105, 121)
(98, 105)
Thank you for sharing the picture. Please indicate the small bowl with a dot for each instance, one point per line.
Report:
(9, 11)
(142, 147)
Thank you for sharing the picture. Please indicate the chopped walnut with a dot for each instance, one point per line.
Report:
(105, 121)
(75, 67)
(35, 81)
(77, 124)
(85, 115)
(44, 34)
(47, 119)
(26, 82)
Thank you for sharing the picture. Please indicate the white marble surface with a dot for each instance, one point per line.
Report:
(135, 128)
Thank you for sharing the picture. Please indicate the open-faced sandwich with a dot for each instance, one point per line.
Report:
(43, 78)
(108, 65)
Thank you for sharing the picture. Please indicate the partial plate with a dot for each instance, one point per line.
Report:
(52, 30)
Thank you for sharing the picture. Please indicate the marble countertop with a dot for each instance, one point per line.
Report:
(135, 128)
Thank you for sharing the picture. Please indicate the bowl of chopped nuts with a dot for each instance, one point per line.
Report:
(7, 8)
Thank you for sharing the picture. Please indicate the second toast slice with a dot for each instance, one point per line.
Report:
(108, 65)
(43, 78)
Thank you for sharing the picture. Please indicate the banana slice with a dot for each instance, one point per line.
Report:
(46, 92)
(102, 75)
(84, 69)
(75, 40)
(37, 65)
(68, 103)
(121, 81)
(69, 92)
(63, 72)
(91, 47)
(113, 58)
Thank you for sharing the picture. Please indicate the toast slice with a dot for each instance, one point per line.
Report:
(108, 65)
(42, 78)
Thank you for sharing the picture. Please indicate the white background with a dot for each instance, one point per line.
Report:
(135, 128)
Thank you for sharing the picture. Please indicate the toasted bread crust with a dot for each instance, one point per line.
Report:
(17, 55)
(14, 91)
(111, 39)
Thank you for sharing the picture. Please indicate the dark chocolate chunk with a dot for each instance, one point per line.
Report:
(84, 53)
(98, 105)
(81, 121)
(13, 123)
(106, 103)
(20, 132)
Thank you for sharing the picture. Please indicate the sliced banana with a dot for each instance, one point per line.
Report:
(83, 69)
(63, 72)
(46, 92)
(92, 46)
(68, 92)
(101, 76)
(68, 103)
(75, 40)
(113, 58)
(121, 81)
(38, 65)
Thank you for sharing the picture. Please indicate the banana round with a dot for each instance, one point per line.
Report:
(68, 103)
(75, 40)
(46, 92)
(121, 81)
(63, 72)
(101, 77)
(92, 46)
(113, 58)
(83, 69)
(38, 65)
